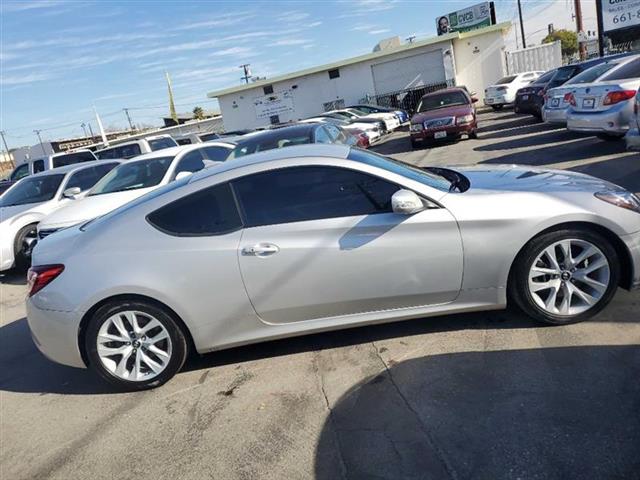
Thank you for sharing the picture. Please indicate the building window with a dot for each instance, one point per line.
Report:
(274, 119)
(335, 73)
(268, 90)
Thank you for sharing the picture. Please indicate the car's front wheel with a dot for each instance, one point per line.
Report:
(134, 345)
(565, 276)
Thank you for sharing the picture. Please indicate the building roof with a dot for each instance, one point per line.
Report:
(362, 58)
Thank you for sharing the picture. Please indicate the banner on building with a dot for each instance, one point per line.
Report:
(470, 18)
(617, 14)
(274, 104)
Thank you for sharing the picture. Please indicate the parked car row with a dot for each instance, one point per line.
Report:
(596, 96)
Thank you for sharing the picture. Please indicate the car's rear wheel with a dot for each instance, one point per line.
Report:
(135, 345)
(565, 276)
(610, 137)
(21, 259)
(497, 107)
(415, 144)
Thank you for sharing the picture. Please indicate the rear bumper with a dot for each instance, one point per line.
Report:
(614, 120)
(496, 100)
(555, 115)
(633, 245)
(55, 334)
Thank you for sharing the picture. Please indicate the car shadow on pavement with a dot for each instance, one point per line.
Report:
(395, 145)
(13, 277)
(555, 413)
(545, 136)
(623, 171)
(524, 130)
(496, 124)
(581, 149)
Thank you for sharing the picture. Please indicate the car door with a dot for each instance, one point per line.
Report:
(323, 241)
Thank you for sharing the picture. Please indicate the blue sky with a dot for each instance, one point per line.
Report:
(60, 57)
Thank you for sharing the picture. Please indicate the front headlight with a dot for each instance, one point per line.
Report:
(463, 120)
(416, 127)
(620, 198)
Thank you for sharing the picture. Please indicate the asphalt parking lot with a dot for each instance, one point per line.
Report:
(489, 395)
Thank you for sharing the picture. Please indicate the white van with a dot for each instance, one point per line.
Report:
(137, 147)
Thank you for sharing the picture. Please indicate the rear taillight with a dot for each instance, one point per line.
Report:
(570, 98)
(41, 276)
(618, 96)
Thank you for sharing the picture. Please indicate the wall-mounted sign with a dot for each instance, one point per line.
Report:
(275, 103)
(618, 14)
(470, 18)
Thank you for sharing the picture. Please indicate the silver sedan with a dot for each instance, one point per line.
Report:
(321, 237)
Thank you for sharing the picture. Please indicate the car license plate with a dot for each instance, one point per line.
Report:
(588, 103)
(489, 100)
(440, 135)
(525, 97)
(555, 102)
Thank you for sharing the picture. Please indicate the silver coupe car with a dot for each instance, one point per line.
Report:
(321, 237)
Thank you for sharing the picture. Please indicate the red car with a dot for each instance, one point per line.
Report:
(445, 114)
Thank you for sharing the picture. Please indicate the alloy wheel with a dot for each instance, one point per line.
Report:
(134, 346)
(569, 277)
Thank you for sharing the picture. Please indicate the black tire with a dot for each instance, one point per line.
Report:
(415, 144)
(497, 107)
(518, 289)
(178, 343)
(21, 260)
(473, 135)
(609, 137)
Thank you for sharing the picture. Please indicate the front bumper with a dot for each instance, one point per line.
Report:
(614, 121)
(55, 334)
(633, 245)
(454, 131)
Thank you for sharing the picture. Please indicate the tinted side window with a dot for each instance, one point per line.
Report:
(211, 211)
(629, 70)
(161, 143)
(309, 193)
(21, 171)
(38, 166)
(106, 154)
(127, 151)
(191, 162)
(217, 154)
(322, 136)
(72, 158)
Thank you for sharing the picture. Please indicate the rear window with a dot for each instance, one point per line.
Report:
(209, 136)
(432, 102)
(123, 151)
(161, 143)
(591, 74)
(562, 75)
(506, 80)
(269, 143)
(545, 78)
(72, 158)
(211, 211)
(626, 71)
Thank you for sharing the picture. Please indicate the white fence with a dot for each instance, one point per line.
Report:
(541, 57)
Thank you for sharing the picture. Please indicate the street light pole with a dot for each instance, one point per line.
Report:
(126, 111)
(90, 131)
(4, 140)
(37, 132)
(84, 129)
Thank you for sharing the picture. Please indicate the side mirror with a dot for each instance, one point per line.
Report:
(474, 99)
(473, 94)
(406, 202)
(183, 174)
(71, 193)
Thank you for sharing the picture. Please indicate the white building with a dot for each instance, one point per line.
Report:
(474, 59)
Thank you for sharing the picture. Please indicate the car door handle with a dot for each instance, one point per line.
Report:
(261, 250)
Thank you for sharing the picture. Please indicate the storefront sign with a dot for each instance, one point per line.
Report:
(618, 14)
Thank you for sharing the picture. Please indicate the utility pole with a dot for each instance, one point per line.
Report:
(247, 72)
(524, 42)
(37, 132)
(84, 129)
(600, 28)
(126, 111)
(90, 131)
(579, 27)
(4, 140)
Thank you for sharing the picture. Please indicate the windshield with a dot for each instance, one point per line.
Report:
(32, 190)
(545, 78)
(271, 142)
(133, 175)
(399, 168)
(161, 143)
(591, 74)
(563, 74)
(448, 99)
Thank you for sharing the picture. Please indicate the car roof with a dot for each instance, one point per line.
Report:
(444, 90)
(296, 151)
(168, 152)
(300, 128)
(73, 167)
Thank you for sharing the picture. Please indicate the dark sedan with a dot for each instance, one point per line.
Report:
(442, 115)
